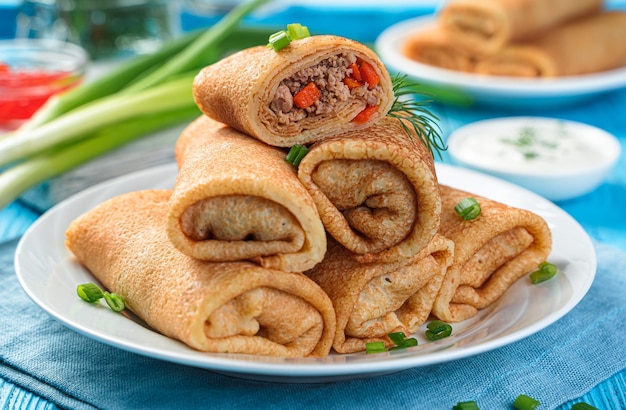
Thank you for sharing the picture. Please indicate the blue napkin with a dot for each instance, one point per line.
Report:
(556, 365)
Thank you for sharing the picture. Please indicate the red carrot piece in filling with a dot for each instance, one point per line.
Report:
(356, 73)
(369, 75)
(351, 82)
(307, 96)
(366, 114)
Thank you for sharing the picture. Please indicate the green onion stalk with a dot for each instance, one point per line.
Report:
(141, 96)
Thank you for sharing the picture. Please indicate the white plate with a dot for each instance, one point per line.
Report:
(492, 90)
(49, 275)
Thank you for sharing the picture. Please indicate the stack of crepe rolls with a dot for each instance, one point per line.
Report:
(523, 38)
(231, 307)
(376, 190)
(236, 198)
(255, 90)
(372, 300)
(491, 252)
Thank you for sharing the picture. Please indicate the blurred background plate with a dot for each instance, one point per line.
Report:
(473, 89)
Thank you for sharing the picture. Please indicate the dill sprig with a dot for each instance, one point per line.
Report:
(420, 119)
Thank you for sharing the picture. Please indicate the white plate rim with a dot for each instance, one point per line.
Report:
(277, 369)
(387, 43)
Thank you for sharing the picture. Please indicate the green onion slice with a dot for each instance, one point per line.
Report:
(410, 342)
(545, 271)
(374, 347)
(279, 40)
(466, 405)
(524, 402)
(115, 301)
(468, 209)
(297, 31)
(296, 153)
(89, 292)
(583, 406)
(438, 330)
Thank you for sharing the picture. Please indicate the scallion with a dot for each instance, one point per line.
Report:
(295, 154)
(545, 272)
(89, 292)
(466, 405)
(468, 209)
(374, 347)
(437, 330)
(115, 301)
(297, 31)
(524, 402)
(279, 40)
(583, 406)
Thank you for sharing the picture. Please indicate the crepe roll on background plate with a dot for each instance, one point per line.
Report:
(235, 307)
(583, 46)
(433, 46)
(236, 198)
(485, 26)
(491, 252)
(315, 87)
(372, 300)
(376, 190)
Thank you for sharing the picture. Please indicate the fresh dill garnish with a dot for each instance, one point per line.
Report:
(421, 120)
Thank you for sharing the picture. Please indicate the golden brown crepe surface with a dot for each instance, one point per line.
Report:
(238, 90)
(485, 26)
(376, 190)
(588, 45)
(491, 252)
(374, 299)
(236, 198)
(235, 307)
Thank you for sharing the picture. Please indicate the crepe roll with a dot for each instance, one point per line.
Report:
(236, 307)
(236, 198)
(376, 190)
(485, 26)
(583, 46)
(315, 87)
(491, 252)
(433, 46)
(372, 300)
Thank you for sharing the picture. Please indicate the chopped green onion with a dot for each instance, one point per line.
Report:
(89, 292)
(297, 31)
(374, 347)
(296, 153)
(397, 338)
(438, 330)
(468, 209)
(115, 301)
(279, 40)
(546, 271)
(524, 402)
(410, 342)
(466, 405)
(583, 406)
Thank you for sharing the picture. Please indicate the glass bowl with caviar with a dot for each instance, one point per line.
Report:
(31, 71)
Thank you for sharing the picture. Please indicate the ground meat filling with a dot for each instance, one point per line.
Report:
(328, 76)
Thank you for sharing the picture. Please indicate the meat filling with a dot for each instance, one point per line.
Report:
(329, 77)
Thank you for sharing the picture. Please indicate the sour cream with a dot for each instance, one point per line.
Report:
(539, 153)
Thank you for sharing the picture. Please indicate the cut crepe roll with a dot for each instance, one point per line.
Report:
(236, 198)
(433, 46)
(374, 299)
(344, 86)
(485, 26)
(491, 252)
(376, 190)
(236, 307)
(587, 45)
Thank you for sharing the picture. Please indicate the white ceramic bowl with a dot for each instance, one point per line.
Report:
(555, 158)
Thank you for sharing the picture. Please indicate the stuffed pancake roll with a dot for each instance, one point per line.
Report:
(376, 190)
(583, 46)
(315, 87)
(236, 198)
(491, 252)
(372, 300)
(236, 307)
(485, 26)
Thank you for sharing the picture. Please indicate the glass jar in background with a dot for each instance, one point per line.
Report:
(105, 28)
